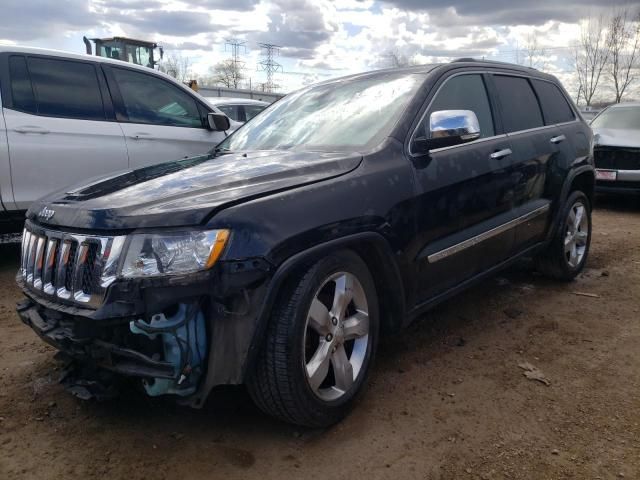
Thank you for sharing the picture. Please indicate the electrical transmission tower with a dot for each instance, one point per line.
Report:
(235, 46)
(269, 65)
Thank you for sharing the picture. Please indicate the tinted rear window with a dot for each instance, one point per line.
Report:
(555, 107)
(520, 109)
(66, 88)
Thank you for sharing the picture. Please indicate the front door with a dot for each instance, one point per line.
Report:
(161, 121)
(467, 196)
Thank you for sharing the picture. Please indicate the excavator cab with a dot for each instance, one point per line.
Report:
(128, 50)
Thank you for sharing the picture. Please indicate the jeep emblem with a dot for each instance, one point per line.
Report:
(46, 213)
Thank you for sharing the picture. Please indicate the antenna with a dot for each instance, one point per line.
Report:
(269, 65)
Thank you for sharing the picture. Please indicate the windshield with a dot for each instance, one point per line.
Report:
(354, 113)
(626, 118)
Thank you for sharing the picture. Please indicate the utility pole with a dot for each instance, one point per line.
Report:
(235, 45)
(269, 65)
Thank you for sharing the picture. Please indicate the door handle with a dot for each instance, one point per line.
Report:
(141, 135)
(558, 139)
(31, 129)
(505, 152)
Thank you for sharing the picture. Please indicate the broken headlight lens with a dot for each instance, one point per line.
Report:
(173, 253)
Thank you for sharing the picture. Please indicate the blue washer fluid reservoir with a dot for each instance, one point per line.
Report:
(184, 343)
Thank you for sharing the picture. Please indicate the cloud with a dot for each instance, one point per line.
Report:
(299, 26)
(171, 23)
(504, 12)
(23, 21)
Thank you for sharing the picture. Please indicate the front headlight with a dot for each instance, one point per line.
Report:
(156, 254)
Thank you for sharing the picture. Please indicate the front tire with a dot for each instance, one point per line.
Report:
(567, 253)
(320, 343)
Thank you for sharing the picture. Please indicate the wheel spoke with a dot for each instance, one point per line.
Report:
(572, 221)
(568, 238)
(569, 246)
(318, 366)
(573, 258)
(578, 217)
(342, 296)
(581, 238)
(319, 317)
(356, 326)
(342, 369)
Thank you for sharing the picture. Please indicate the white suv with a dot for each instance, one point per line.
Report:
(68, 117)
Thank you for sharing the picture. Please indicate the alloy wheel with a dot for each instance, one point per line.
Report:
(336, 336)
(577, 234)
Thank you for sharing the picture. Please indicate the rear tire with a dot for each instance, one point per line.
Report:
(567, 253)
(319, 343)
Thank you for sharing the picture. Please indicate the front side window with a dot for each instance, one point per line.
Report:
(624, 118)
(519, 105)
(350, 114)
(56, 88)
(152, 100)
(465, 92)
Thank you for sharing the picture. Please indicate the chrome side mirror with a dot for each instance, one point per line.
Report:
(452, 127)
(218, 122)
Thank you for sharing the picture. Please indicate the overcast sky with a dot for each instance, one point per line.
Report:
(319, 38)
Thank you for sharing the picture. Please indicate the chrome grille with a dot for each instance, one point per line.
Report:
(67, 267)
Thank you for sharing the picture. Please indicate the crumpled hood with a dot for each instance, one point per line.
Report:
(616, 137)
(185, 192)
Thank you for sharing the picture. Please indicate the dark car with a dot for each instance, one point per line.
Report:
(617, 149)
(332, 219)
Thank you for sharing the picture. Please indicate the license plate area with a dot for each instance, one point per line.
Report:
(607, 175)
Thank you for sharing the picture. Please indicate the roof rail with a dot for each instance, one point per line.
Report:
(496, 62)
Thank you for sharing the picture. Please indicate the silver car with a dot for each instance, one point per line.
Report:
(617, 149)
(239, 110)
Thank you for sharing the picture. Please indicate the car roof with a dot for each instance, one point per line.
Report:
(444, 67)
(235, 101)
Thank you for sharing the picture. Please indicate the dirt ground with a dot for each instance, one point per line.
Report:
(447, 399)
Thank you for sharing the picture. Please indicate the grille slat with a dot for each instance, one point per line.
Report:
(37, 263)
(49, 268)
(67, 267)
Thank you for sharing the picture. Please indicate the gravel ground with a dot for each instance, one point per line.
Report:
(447, 399)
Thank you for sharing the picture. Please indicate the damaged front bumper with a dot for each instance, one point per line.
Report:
(178, 336)
(168, 354)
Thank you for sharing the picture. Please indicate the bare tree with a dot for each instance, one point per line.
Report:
(534, 53)
(177, 66)
(624, 44)
(227, 73)
(397, 59)
(591, 56)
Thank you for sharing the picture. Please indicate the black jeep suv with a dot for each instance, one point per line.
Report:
(335, 217)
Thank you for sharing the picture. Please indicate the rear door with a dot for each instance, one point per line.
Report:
(59, 124)
(465, 205)
(535, 152)
(160, 120)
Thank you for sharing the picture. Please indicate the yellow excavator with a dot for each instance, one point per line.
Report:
(128, 50)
